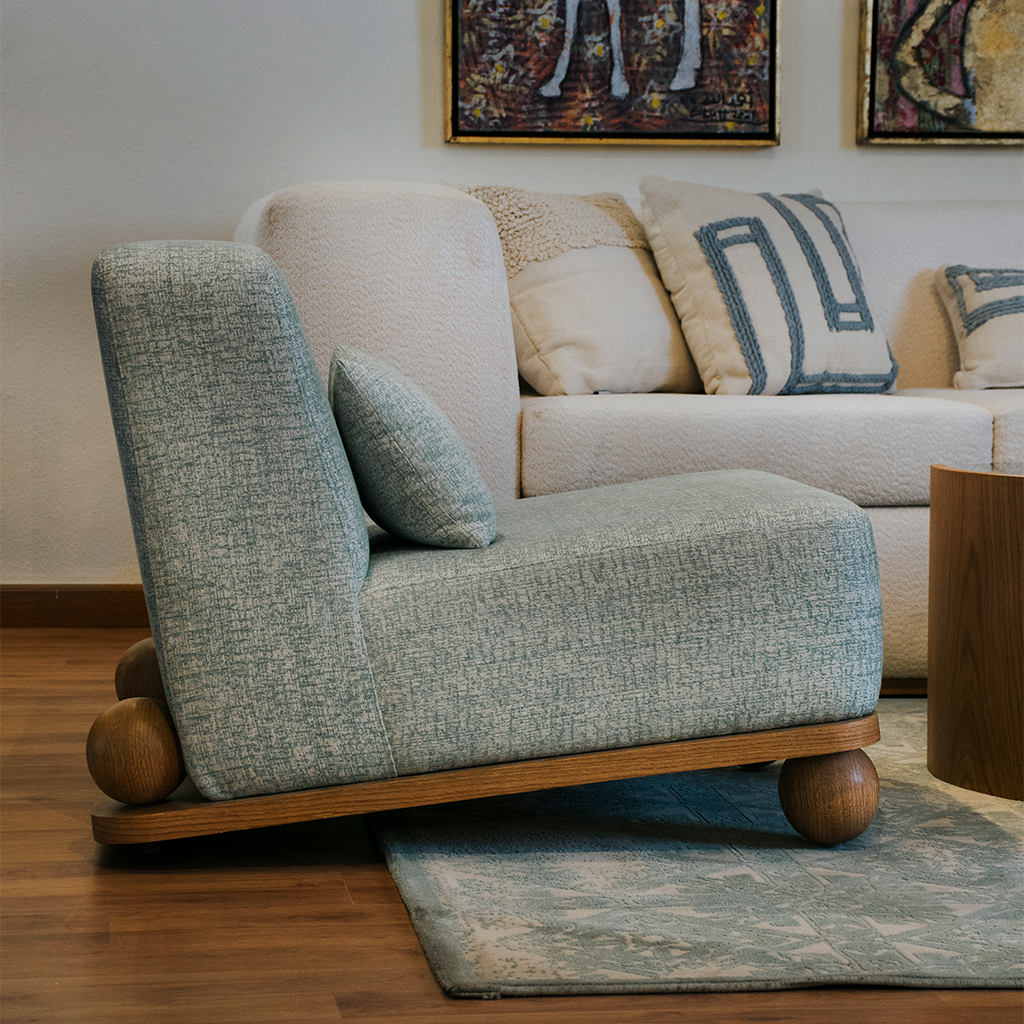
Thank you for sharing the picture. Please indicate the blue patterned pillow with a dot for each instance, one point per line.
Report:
(768, 292)
(986, 310)
(416, 478)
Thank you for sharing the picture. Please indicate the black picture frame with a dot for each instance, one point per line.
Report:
(941, 72)
(659, 72)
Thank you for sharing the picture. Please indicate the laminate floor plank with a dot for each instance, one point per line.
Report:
(298, 924)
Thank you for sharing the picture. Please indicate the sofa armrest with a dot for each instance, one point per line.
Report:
(413, 274)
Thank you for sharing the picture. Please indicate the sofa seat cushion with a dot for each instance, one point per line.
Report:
(1006, 406)
(872, 449)
(686, 606)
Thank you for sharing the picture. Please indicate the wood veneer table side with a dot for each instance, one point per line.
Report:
(976, 631)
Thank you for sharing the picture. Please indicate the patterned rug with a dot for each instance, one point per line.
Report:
(696, 882)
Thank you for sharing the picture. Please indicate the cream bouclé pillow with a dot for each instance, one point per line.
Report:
(589, 311)
(986, 310)
(767, 290)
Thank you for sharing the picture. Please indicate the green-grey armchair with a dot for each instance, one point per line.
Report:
(305, 664)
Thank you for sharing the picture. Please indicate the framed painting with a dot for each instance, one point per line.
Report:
(627, 72)
(948, 72)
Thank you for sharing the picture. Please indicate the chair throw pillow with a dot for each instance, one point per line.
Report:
(767, 289)
(986, 310)
(589, 311)
(415, 475)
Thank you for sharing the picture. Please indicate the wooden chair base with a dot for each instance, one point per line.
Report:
(834, 795)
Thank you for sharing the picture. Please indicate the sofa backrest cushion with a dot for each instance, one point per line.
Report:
(767, 289)
(900, 245)
(416, 478)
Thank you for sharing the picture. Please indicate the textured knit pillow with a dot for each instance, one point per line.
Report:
(767, 290)
(986, 309)
(415, 476)
(589, 311)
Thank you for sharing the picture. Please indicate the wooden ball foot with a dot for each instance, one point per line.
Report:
(133, 752)
(830, 798)
(138, 673)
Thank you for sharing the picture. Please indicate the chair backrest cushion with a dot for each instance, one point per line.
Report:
(250, 536)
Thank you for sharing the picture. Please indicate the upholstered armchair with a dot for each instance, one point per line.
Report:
(304, 664)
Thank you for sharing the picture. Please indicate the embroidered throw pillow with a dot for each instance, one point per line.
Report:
(986, 309)
(589, 311)
(415, 475)
(767, 290)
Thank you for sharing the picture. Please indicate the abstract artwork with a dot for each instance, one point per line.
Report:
(942, 71)
(698, 72)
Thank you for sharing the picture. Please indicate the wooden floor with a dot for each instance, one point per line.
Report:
(294, 924)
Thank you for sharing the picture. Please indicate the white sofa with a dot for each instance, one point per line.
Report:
(415, 274)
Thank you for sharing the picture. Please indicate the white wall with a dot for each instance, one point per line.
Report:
(125, 120)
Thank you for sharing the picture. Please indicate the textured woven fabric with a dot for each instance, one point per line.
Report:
(536, 226)
(353, 256)
(683, 606)
(415, 475)
(589, 311)
(986, 311)
(767, 289)
(901, 538)
(250, 537)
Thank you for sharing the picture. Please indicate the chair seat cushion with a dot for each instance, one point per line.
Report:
(695, 605)
(873, 449)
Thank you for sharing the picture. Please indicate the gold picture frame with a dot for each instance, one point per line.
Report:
(941, 72)
(570, 72)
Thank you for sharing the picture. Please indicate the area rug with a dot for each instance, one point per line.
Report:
(696, 882)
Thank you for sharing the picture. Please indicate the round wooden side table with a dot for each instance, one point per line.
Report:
(976, 629)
